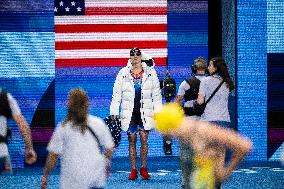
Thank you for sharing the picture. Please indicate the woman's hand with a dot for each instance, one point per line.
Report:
(114, 117)
(30, 156)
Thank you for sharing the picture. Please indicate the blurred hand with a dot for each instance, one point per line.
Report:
(114, 117)
(43, 182)
(30, 156)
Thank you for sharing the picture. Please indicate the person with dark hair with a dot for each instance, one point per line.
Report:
(77, 140)
(9, 109)
(137, 91)
(216, 110)
(187, 93)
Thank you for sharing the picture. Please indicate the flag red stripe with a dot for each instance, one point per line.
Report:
(72, 45)
(85, 28)
(159, 61)
(126, 10)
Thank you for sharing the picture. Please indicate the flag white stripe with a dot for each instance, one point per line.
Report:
(126, 3)
(119, 36)
(117, 19)
(105, 53)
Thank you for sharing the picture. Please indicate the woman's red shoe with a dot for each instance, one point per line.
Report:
(133, 175)
(144, 173)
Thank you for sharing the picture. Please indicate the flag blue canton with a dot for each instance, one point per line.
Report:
(69, 7)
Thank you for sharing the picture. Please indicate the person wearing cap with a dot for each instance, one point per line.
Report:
(208, 141)
(187, 93)
(136, 97)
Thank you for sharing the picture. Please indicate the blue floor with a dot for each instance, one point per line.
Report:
(165, 174)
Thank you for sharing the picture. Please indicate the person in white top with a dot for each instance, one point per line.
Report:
(187, 93)
(217, 107)
(9, 109)
(136, 97)
(216, 110)
(77, 140)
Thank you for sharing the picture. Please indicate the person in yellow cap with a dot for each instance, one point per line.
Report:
(208, 142)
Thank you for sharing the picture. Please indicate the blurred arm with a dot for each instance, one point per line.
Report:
(50, 163)
(240, 146)
(25, 131)
(184, 86)
(30, 154)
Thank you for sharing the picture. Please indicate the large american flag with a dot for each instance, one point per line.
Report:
(102, 32)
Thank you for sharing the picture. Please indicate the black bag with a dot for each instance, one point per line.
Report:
(198, 109)
(191, 94)
(114, 127)
(5, 109)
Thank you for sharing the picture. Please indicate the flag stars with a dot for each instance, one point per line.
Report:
(72, 7)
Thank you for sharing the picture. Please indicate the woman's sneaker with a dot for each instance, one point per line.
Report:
(133, 175)
(144, 173)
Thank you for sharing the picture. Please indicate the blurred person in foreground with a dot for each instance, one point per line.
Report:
(9, 109)
(77, 140)
(208, 141)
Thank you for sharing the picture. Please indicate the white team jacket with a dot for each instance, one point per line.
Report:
(124, 93)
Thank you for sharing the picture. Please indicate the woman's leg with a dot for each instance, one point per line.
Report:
(132, 138)
(143, 154)
(144, 147)
(186, 154)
